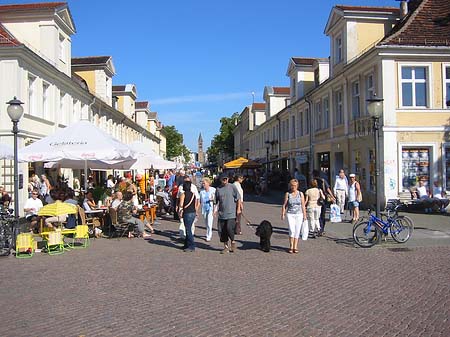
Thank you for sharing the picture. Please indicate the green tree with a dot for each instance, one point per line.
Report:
(223, 142)
(174, 142)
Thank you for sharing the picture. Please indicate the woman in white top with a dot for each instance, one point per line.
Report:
(354, 194)
(207, 195)
(238, 179)
(340, 189)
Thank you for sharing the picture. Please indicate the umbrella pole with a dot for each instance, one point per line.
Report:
(85, 176)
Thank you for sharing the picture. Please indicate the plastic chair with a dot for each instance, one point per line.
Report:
(81, 236)
(24, 246)
(55, 243)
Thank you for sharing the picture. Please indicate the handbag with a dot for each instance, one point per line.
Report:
(321, 200)
(305, 230)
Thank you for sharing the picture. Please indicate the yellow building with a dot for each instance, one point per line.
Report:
(401, 55)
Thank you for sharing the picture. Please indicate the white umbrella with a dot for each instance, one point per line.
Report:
(82, 142)
(146, 158)
(6, 152)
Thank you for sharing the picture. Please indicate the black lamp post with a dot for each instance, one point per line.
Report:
(375, 110)
(267, 155)
(15, 112)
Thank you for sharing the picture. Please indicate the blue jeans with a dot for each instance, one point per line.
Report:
(188, 219)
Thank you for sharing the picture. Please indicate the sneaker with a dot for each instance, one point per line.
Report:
(233, 247)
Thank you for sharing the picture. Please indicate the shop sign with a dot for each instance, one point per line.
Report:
(301, 158)
(363, 127)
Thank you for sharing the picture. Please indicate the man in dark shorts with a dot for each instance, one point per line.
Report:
(228, 205)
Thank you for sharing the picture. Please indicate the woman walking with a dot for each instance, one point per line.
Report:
(188, 209)
(207, 206)
(354, 197)
(313, 208)
(294, 209)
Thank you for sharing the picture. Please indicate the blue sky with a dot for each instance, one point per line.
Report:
(199, 60)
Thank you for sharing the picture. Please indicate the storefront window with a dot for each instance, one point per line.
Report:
(415, 165)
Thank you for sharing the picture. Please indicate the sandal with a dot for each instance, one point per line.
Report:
(295, 251)
(290, 251)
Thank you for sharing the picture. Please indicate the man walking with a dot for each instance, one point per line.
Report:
(341, 189)
(228, 205)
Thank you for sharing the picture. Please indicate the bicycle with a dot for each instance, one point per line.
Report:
(368, 233)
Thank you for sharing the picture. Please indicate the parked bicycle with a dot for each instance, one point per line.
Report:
(368, 233)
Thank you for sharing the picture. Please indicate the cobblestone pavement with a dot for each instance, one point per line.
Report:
(130, 287)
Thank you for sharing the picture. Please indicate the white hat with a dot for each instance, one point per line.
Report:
(352, 175)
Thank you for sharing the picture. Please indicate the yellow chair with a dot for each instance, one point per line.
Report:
(24, 245)
(81, 236)
(55, 242)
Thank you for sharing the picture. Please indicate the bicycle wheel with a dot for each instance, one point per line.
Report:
(401, 230)
(366, 234)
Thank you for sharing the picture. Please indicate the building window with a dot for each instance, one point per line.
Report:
(326, 113)
(307, 116)
(414, 86)
(292, 127)
(370, 89)
(339, 113)
(32, 95)
(300, 123)
(46, 100)
(356, 113)
(447, 87)
(318, 116)
(287, 129)
(293, 88)
(338, 49)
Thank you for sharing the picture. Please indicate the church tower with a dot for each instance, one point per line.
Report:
(201, 154)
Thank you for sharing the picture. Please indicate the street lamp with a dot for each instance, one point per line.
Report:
(15, 112)
(375, 110)
(267, 155)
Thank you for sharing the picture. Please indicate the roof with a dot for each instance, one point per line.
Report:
(152, 115)
(281, 90)
(90, 60)
(427, 24)
(141, 105)
(305, 61)
(42, 5)
(367, 8)
(118, 88)
(6, 38)
(259, 106)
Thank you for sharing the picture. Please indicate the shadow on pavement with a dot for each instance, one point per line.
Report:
(345, 242)
(253, 245)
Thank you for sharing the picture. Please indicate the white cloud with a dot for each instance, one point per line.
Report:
(202, 98)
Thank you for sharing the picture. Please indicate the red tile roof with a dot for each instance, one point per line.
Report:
(42, 5)
(141, 105)
(259, 106)
(368, 8)
(97, 60)
(6, 38)
(427, 24)
(282, 90)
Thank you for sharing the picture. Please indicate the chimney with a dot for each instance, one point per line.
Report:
(403, 9)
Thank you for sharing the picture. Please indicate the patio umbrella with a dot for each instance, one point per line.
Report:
(57, 208)
(81, 142)
(146, 158)
(241, 163)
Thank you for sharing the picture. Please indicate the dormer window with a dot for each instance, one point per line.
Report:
(338, 50)
(62, 48)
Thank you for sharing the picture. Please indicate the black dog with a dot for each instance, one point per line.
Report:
(264, 231)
